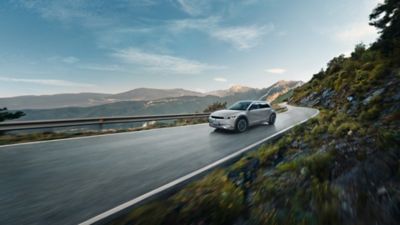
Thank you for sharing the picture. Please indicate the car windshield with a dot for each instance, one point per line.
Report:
(240, 106)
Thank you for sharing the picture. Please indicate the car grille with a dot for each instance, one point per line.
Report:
(217, 117)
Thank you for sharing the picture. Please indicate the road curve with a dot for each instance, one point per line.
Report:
(70, 181)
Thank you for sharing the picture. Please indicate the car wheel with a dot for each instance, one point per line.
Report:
(241, 125)
(272, 119)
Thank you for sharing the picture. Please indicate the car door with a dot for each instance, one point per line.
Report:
(265, 110)
(255, 113)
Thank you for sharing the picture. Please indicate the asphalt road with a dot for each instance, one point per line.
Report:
(71, 181)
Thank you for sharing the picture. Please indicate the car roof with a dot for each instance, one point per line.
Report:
(254, 101)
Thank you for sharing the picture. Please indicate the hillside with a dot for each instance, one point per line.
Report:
(342, 167)
(53, 101)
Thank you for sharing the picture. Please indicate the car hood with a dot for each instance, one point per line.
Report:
(226, 112)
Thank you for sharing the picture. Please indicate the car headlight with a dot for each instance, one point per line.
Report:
(231, 117)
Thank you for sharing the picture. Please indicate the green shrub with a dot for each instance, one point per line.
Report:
(326, 201)
(266, 154)
(288, 166)
(346, 127)
(213, 200)
(378, 72)
(370, 114)
(318, 164)
(146, 215)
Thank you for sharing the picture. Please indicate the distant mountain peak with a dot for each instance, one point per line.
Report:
(279, 88)
(239, 88)
(234, 89)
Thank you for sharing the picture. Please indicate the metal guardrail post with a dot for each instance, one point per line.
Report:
(101, 122)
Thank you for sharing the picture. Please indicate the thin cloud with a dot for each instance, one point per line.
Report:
(107, 68)
(193, 7)
(240, 37)
(49, 82)
(161, 62)
(87, 13)
(220, 79)
(67, 11)
(204, 24)
(276, 70)
(355, 32)
(70, 60)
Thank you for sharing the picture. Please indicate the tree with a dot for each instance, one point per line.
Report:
(215, 106)
(386, 17)
(6, 115)
(359, 50)
(335, 64)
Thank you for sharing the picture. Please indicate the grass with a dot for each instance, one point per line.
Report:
(211, 200)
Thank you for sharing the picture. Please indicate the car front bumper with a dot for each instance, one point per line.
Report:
(227, 124)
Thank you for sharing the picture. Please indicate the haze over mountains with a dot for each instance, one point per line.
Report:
(138, 94)
(90, 99)
(141, 101)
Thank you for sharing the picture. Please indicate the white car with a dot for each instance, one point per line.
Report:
(241, 115)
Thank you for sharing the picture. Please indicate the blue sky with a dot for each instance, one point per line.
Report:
(63, 46)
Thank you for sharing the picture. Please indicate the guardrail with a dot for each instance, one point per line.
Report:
(43, 124)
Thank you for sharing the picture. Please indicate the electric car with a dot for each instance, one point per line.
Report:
(241, 115)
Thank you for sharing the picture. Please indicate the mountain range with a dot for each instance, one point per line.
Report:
(138, 94)
(141, 101)
(90, 99)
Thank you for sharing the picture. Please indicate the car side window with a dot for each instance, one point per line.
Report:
(264, 106)
(254, 106)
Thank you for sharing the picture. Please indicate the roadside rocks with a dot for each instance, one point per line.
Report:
(353, 107)
(311, 100)
(294, 144)
(246, 174)
(396, 97)
(374, 94)
(324, 99)
(372, 172)
(350, 98)
(327, 98)
(298, 144)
